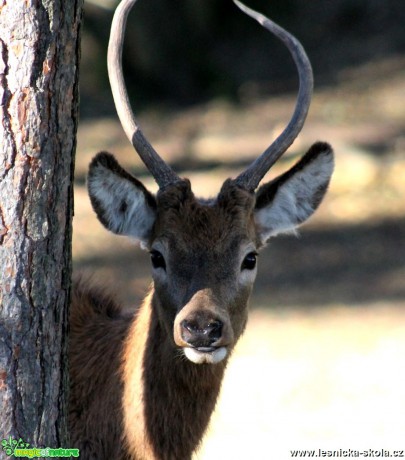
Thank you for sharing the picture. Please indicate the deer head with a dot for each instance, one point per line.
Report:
(204, 252)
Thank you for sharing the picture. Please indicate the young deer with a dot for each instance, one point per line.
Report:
(144, 386)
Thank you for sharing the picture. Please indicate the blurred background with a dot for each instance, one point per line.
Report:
(322, 362)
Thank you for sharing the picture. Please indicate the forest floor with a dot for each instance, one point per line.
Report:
(322, 362)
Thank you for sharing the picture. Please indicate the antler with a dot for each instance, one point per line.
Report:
(161, 171)
(250, 178)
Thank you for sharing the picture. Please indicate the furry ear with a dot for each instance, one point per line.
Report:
(290, 199)
(121, 202)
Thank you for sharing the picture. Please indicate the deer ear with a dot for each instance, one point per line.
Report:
(290, 199)
(121, 202)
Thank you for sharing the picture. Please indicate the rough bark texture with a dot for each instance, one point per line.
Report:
(39, 52)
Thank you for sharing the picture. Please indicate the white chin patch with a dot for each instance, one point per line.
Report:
(205, 357)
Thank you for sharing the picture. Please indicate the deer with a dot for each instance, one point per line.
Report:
(145, 384)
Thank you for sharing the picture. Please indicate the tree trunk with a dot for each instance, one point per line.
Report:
(39, 54)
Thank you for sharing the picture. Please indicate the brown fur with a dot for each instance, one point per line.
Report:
(229, 216)
(167, 416)
(133, 394)
(162, 410)
(97, 333)
(139, 390)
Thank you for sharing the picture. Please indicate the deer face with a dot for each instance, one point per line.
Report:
(204, 265)
(203, 253)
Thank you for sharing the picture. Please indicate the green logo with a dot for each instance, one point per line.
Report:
(10, 444)
(20, 449)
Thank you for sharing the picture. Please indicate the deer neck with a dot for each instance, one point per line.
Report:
(168, 400)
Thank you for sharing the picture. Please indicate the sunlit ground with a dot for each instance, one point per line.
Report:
(322, 363)
(326, 379)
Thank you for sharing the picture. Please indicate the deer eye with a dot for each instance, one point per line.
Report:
(249, 262)
(157, 259)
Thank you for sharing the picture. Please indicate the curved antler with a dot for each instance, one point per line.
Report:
(250, 178)
(161, 171)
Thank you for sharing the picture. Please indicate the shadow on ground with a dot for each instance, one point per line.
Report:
(347, 264)
(350, 264)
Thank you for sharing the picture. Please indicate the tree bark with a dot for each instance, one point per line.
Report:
(39, 55)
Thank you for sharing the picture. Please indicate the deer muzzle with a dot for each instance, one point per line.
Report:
(203, 332)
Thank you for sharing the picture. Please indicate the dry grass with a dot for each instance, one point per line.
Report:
(322, 362)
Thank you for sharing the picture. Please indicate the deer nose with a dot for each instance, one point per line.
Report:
(201, 333)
